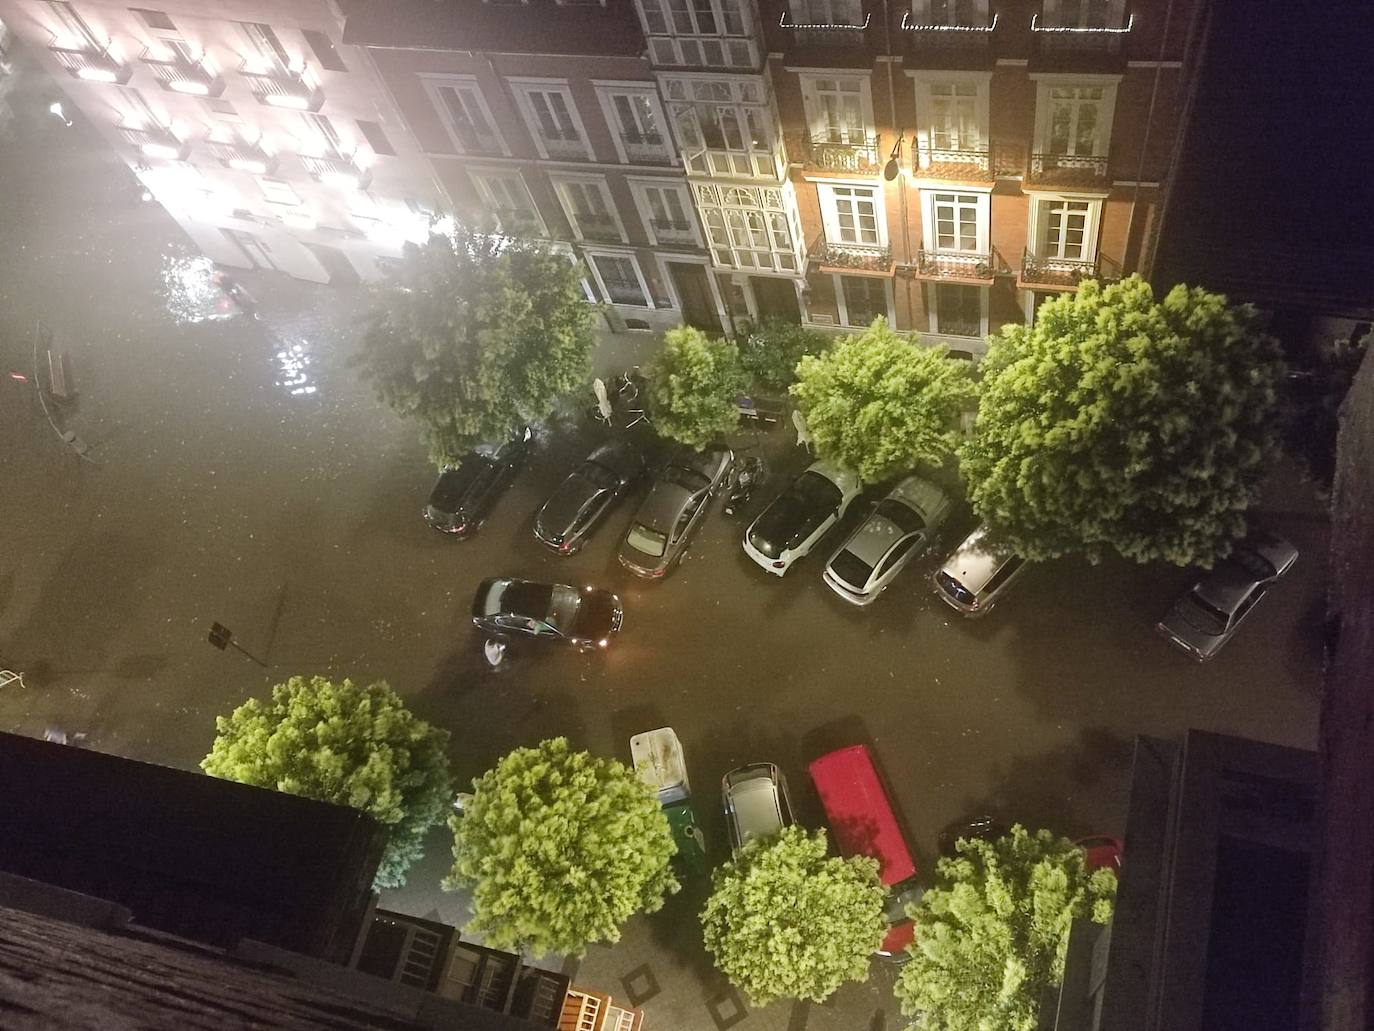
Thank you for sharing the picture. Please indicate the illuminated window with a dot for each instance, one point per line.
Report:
(1076, 120)
(838, 110)
(955, 222)
(852, 215)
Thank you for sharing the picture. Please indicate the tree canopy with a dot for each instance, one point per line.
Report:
(784, 920)
(880, 404)
(771, 350)
(475, 335)
(350, 745)
(992, 933)
(558, 849)
(693, 387)
(1121, 424)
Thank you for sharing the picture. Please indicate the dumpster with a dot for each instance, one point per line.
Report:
(657, 758)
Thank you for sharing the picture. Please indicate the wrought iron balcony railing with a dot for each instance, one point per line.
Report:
(1065, 273)
(93, 64)
(242, 156)
(180, 75)
(337, 171)
(972, 165)
(835, 154)
(279, 87)
(954, 265)
(647, 148)
(1068, 169)
(597, 227)
(672, 231)
(857, 257)
(564, 146)
(1100, 39)
(156, 143)
(824, 34)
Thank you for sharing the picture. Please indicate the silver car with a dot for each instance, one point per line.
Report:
(901, 527)
(675, 508)
(756, 803)
(1206, 617)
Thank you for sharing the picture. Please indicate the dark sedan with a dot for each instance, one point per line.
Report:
(587, 494)
(465, 493)
(506, 608)
(675, 508)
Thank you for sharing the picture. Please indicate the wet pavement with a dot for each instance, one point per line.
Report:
(216, 487)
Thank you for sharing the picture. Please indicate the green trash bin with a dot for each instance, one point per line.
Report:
(690, 860)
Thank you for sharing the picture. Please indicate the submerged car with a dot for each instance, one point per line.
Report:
(506, 608)
(756, 803)
(464, 494)
(1208, 616)
(587, 494)
(796, 520)
(675, 508)
(974, 577)
(902, 526)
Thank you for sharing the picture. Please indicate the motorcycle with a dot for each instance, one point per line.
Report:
(750, 473)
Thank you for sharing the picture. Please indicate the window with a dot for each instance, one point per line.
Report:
(952, 118)
(266, 44)
(636, 123)
(865, 298)
(852, 215)
(505, 196)
(323, 49)
(665, 210)
(697, 32)
(321, 129)
(751, 227)
(1075, 114)
(955, 222)
(828, 12)
(725, 126)
(1073, 124)
(466, 116)
(589, 208)
(277, 191)
(1065, 234)
(75, 33)
(619, 277)
(154, 19)
(837, 110)
(552, 120)
(958, 309)
(376, 139)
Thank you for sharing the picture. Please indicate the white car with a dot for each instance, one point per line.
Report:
(900, 528)
(796, 520)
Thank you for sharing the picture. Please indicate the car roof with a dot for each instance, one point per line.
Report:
(860, 813)
(758, 809)
(920, 494)
(663, 507)
(454, 481)
(566, 503)
(841, 477)
(1226, 586)
(976, 560)
(874, 538)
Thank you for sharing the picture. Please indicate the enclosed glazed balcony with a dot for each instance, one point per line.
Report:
(850, 258)
(180, 75)
(1053, 273)
(1068, 170)
(91, 63)
(279, 87)
(835, 153)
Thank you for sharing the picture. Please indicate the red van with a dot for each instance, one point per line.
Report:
(863, 824)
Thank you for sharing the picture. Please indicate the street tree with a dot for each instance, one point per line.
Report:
(558, 848)
(880, 404)
(693, 387)
(991, 933)
(475, 335)
(1122, 424)
(785, 920)
(346, 744)
(771, 350)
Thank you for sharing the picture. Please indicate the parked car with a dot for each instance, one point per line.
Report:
(675, 508)
(1208, 616)
(796, 520)
(974, 577)
(506, 608)
(1101, 852)
(756, 803)
(902, 526)
(862, 822)
(587, 494)
(464, 494)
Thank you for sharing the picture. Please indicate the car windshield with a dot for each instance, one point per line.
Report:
(953, 587)
(599, 474)
(1254, 564)
(651, 542)
(687, 479)
(851, 569)
(795, 514)
(900, 515)
(564, 602)
(1207, 618)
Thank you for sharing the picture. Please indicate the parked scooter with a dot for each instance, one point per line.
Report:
(749, 474)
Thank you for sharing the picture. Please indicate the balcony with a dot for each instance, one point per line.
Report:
(834, 155)
(951, 266)
(1081, 170)
(344, 172)
(932, 36)
(91, 64)
(242, 156)
(669, 231)
(1102, 40)
(179, 75)
(978, 165)
(600, 226)
(646, 148)
(156, 143)
(824, 34)
(851, 258)
(278, 87)
(1064, 273)
(567, 146)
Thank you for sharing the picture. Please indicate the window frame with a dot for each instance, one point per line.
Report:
(929, 237)
(561, 180)
(830, 214)
(593, 253)
(924, 142)
(842, 303)
(678, 186)
(1045, 83)
(787, 209)
(933, 310)
(433, 83)
(606, 92)
(478, 176)
(522, 88)
(814, 110)
(1039, 219)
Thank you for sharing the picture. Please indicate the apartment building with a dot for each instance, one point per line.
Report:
(268, 139)
(946, 163)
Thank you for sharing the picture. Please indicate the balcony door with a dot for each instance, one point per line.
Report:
(1065, 230)
(853, 215)
(1076, 121)
(954, 116)
(837, 110)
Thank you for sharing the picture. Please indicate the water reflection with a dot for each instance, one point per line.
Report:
(192, 295)
(293, 369)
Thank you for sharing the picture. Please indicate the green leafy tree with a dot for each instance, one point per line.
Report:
(880, 404)
(350, 745)
(558, 849)
(1121, 424)
(786, 921)
(771, 350)
(693, 387)
(991, 935)
(474, 335)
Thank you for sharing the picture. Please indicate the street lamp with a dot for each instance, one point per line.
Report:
(56, 108)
